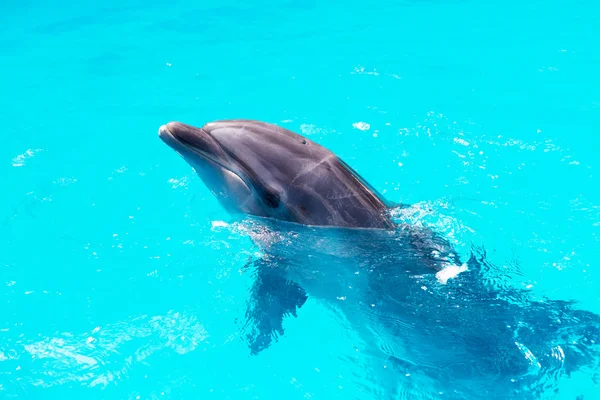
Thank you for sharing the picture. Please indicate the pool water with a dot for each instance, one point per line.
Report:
(122, 277)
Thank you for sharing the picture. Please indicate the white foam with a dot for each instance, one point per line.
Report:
(450, 272)
(363, 126)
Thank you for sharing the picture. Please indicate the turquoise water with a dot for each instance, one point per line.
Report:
(120, 273)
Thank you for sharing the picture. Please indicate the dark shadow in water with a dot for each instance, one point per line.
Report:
(465, 338)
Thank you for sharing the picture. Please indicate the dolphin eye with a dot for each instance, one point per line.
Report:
(271, 200)
(303, 141)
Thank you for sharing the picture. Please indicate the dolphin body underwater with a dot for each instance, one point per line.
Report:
(326, 233)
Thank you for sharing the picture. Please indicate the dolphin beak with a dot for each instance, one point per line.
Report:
(163, 131)
(167, 134)
(186, 138)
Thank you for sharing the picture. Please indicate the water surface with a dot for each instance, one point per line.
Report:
(120, 276)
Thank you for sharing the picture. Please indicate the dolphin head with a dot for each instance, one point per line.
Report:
(264, 170)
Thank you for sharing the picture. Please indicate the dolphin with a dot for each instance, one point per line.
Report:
(327, 233)
(264, 170)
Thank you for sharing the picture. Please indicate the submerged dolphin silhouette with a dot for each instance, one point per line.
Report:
(381, 276)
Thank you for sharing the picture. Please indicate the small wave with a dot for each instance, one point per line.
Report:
(104, 354)
(21, 159)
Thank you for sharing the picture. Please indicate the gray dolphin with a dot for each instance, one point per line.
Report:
(472, 340)
(261, 169)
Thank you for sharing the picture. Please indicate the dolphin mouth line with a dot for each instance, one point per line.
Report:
(201, 153)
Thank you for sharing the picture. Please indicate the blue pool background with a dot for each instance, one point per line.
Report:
(119, 275)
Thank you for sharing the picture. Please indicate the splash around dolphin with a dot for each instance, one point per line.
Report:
(465, 338)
